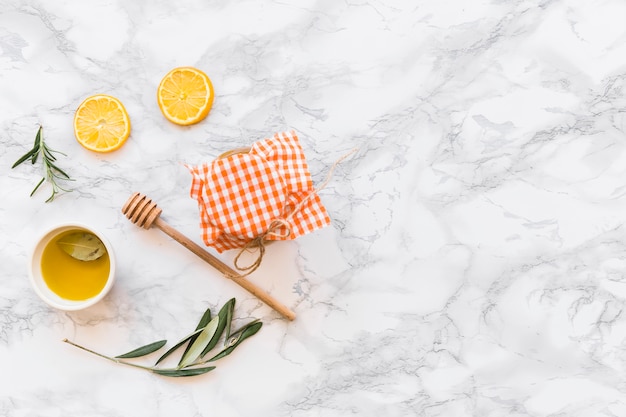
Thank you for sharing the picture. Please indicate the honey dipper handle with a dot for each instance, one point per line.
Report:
(224, 269)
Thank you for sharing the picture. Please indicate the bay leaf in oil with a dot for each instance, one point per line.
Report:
(83, 246)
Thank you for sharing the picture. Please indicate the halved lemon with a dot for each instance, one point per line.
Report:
(185, 95)
(101, 123)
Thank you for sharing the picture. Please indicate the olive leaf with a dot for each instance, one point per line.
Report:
(229, 308)
(247, 331)
(83, 246)
(183, 372)
(200, 343)
(236, 332)
(144, 350)
(204, 320)
(226, 315)
(179, 344)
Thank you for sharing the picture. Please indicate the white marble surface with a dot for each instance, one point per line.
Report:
(476, 261)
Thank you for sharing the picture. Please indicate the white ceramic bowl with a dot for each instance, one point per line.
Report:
(36, 278)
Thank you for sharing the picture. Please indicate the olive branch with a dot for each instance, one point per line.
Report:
(198, 345)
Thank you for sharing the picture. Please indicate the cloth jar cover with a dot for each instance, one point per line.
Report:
(242, 195)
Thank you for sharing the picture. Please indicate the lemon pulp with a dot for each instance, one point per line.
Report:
(70, 278)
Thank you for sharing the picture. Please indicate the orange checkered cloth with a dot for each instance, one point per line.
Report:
(243, 196)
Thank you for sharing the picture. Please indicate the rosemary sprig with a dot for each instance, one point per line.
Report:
(52, 173)
(202, 341)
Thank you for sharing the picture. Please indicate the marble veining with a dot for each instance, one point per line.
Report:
(475, 261)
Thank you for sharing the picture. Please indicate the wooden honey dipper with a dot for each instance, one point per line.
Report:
(143, 212)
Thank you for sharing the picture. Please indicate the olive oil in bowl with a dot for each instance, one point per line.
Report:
(72, 267)
(71, 278)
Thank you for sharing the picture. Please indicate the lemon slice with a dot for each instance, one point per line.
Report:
(101, 123)
(185, 95)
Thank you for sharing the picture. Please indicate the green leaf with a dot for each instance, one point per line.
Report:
(200, 343)
(48, 154)
(59, 170)
(37, 144)
(144, 350)
(37, 186)
(32, 153)
(51, 196)
(204, 320)
(247, 331)
(35, 155)
(226, 315)
(83, 246)
(38, 137)
(230, 308)
(236, 332)
(183, 372)
(177, 345)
